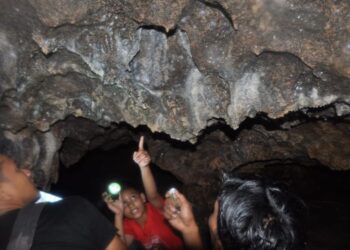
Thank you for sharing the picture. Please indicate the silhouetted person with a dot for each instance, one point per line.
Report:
(72, 223)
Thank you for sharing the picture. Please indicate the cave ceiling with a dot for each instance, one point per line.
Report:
(81, 74)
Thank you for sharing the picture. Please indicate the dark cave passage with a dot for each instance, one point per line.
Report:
(325, 192)
(91, 175)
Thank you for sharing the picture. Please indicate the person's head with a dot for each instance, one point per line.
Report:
(16, 188)
(254, 215)
(134, 203)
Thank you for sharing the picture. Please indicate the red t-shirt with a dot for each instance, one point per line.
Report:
(156, 233)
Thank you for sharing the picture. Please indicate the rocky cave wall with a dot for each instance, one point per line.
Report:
(232, 82)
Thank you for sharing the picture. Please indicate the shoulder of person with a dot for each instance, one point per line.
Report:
(77, 200)
(73, 203)
(153, 210)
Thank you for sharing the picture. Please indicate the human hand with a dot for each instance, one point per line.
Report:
(181, 219)
(212, 221)
(141, 156)
(213, 227)
(116, 206)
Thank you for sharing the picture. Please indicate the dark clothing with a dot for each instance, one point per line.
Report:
(70, 224)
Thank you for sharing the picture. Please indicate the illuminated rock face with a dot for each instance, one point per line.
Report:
(178, 67)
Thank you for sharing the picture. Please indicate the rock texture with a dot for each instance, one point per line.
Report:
(73, 71)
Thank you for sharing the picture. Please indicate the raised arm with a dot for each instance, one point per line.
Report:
(143, 160)
(213, 228)
(117, 208)
(182, 219)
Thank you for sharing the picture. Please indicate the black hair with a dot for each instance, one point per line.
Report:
(126, 184)
(2, 177)
(11, 150)
(255, 215)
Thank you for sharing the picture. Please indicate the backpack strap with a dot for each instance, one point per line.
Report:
(23, 230)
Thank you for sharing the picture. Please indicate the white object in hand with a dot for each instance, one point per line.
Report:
(172, 192)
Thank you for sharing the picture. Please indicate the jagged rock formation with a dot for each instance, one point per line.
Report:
(178, 67)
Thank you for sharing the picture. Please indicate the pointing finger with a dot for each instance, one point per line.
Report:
(141, 143)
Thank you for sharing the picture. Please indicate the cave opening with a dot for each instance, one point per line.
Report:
(256, 88)
(324, 191)
(90, 176)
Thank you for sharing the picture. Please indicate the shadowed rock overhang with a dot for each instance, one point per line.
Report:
(233, 82)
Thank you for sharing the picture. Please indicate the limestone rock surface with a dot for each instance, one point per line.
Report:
(178, 67)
